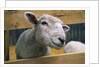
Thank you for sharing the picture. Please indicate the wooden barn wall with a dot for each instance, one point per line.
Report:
(76, 33)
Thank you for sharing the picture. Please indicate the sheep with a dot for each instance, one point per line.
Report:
(48, 31)
(74, 46)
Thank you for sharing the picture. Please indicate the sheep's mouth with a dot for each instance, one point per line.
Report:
(56, 44)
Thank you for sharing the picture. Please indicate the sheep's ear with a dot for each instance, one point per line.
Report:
(66, 28)
(31, 17)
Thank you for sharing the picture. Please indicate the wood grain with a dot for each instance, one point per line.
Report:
(6, 45)
(16, 19)
(68, 58)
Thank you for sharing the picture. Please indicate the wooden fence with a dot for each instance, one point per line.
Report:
(70, 58)
(15, 20)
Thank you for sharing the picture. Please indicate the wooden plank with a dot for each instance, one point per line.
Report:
(16, 20)
(69, 58)
(6, 45)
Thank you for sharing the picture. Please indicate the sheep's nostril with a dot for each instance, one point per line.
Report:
(61, 40)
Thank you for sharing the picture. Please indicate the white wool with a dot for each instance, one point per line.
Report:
(35, 42)
(74, 46)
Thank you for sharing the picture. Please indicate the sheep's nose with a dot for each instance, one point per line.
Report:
(61, 40)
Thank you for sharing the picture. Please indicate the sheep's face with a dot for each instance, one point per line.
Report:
(49, 30)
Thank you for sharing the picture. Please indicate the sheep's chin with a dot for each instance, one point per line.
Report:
(54, 46)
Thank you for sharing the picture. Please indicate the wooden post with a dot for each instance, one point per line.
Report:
(6, 45)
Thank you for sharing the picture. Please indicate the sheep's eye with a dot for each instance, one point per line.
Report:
(44, 23)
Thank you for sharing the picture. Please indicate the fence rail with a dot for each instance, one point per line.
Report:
(16, 20)
(70, 58)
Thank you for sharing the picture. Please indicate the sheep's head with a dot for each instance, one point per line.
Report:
(49, 30)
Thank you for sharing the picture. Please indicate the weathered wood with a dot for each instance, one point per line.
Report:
(16, 20)
(68, 58)
(6, 45)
